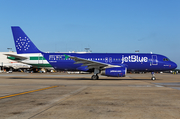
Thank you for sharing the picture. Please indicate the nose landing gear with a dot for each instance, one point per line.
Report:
(153, 76)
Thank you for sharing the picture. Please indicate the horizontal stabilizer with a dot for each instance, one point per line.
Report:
(16, 57)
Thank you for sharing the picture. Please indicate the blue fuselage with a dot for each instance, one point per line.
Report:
(133, 61)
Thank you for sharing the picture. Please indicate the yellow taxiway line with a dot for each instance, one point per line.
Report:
(27, 92)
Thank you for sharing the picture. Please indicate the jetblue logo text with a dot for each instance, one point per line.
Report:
(134, 58)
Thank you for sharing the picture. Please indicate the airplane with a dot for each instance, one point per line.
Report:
(34, 59)
(108, 64)
(10, 64)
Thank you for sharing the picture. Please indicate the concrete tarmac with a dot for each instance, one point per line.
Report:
(76, 96)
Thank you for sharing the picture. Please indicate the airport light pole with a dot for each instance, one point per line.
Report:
(136, 51)
(10, 49)
(87, 49)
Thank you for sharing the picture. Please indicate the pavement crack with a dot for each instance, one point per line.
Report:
(59, 100)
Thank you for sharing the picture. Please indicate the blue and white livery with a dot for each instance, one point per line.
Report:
(108, 64)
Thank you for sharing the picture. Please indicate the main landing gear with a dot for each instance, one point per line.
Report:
(95, 75)
(153, 76)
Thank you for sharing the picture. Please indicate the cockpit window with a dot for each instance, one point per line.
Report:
(166, 59)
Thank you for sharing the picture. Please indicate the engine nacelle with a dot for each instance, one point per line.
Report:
(115, 72)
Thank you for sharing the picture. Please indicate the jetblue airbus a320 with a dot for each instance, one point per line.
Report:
(108, 64)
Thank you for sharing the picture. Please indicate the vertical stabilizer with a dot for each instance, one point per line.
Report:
(22, 42)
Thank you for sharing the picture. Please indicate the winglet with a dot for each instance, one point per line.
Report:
(66, 56)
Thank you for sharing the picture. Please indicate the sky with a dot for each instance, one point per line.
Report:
(104, 26)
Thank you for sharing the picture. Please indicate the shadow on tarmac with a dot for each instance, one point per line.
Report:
(57, 78)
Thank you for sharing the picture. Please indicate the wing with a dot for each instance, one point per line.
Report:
(90, 63)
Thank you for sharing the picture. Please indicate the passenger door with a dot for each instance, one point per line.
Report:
(154, 60)
(40, 59)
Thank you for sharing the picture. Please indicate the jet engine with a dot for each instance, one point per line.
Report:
(115, 72)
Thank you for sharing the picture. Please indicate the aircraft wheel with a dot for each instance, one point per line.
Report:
(95, 77)
(153, 78)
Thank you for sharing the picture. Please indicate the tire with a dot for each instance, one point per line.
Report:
(95, 77)
(153, 78)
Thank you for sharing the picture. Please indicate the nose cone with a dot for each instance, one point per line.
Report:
(173, 65)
